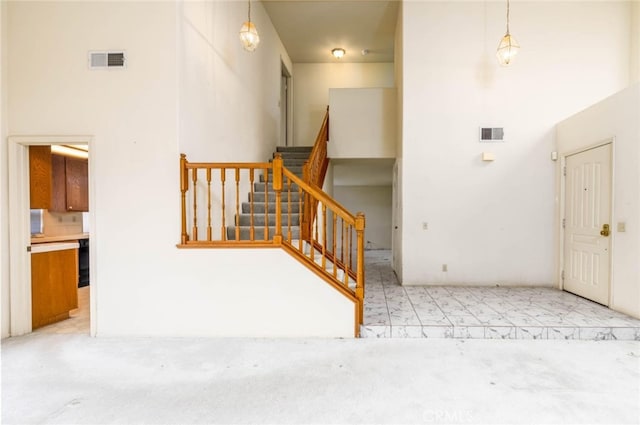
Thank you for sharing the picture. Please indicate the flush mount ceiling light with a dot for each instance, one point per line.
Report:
(338, 52)
(508, 47)
(249, 34)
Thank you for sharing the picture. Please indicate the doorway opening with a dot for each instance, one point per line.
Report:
(51, 253)
(286, 118)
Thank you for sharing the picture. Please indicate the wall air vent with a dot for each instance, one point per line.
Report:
(107, 60)
(492, 134)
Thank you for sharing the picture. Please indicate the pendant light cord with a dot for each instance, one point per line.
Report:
(507, 16)
(249, 14)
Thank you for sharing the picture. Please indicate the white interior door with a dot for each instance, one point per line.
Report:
(587, 253)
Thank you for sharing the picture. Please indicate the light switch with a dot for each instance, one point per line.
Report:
(488, 156)
(622, 226)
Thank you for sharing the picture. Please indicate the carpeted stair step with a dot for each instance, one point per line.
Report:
(258, 233)
(259, 219)
(292, 162)
(259, 207)
(295, 170)
(298, 149)
(292, 155)
(259, 187)
(259, 197)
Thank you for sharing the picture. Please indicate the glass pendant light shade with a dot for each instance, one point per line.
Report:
(507, 49)
(249, 36)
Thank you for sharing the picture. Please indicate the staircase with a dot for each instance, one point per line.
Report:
(253, 211)
(302, 220)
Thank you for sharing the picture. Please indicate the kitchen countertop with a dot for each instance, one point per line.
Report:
(72, 237)
(48, 247)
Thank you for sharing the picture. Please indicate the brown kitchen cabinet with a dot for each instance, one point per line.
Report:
(40, 177)
(54, 283)
(70, 184)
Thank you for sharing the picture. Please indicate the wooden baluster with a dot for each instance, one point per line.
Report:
(288, 209)
(300, 196)
(315, 239)
(312, 252)
(324, 236)
(184, 186)
(194, 231)
(350, 247)
(223, 176)
(342, 240)
(305, 226)
(251, 229)
(360, 224)
(237, 220)
(209, 205)
(277, 187)
(335, 237)
(348, 259)
(266, 204)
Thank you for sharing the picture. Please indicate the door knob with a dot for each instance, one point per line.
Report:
(605, 230)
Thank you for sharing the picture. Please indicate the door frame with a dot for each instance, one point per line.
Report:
(285, 73)
(562, 203)
(20, 234)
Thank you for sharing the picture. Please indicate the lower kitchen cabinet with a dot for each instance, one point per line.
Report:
(54, 282)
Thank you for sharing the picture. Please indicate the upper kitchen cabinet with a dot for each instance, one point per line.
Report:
(40, 177)
(70, 177)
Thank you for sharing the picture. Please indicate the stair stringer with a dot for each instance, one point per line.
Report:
(328, 278)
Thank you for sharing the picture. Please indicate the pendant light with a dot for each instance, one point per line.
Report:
(508, 47)
(249, 34)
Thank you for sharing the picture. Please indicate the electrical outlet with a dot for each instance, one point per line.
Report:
(425, 225)
(445, 268)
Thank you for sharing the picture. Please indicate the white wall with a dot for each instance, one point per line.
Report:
(311, 84)
(375, 202)
(206, 299)
(141, 118)
(4, 202)
(363, 123)
(493, 223)
(634, 69)
(619, 117)
(229, 98)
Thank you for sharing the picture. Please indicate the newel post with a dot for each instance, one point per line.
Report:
(184, 186)
(277, 188)
(360, 223)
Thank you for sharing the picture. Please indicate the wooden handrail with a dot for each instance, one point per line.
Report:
(321, 196)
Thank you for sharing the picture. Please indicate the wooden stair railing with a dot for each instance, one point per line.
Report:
(333, 236)
(314, 172)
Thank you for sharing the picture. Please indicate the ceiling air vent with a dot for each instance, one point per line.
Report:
(107, 60)
(492, 134)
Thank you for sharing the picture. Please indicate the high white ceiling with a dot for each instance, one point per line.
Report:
(310, 29)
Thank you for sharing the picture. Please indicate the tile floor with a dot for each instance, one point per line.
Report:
(395, 311)
(77, 323)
